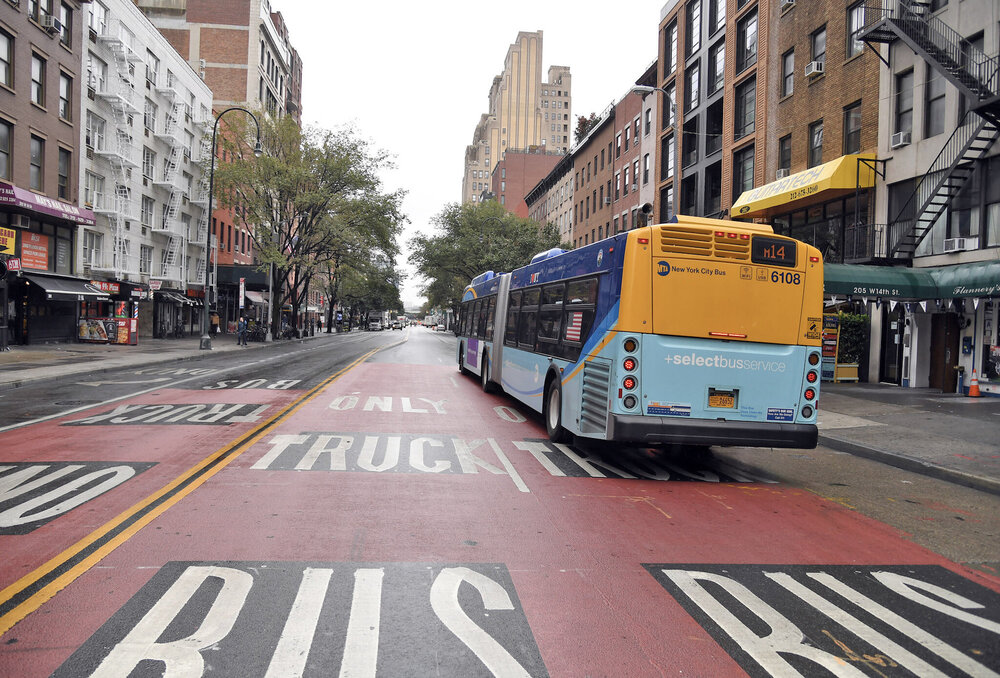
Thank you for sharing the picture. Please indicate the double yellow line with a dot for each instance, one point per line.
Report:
(33, 590)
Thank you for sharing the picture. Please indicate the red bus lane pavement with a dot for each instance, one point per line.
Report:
(400, 522)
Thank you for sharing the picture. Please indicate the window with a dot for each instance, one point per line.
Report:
(746, 41)
(618, 145)
(66, 22)
(6, 59)
(904, 102)
(689, 194)
(669, 106)
(713, 128)
(693, 26)
(145, 259)
(98, 17)
(713, 188)
(692, 76)
(666, 203)
(38, 80)
(152, 68)
(6, 137)
(148, 162)
(93, 243)
(670, 48)
(818, 42)
(816, 143)
(785, 152)
(97, 72)
(65, 164)
(36, 172)
(146, 212)
(648, 127)
(934, 106)
(746, 107)
(149, 116)
(93, 188)
(716, 15)
(852, 128)
(689, 143)
(627, 134)
(667, 157)
(65, 97)
(743, 167)
(716, 66)
(645, 169)
(787, 73)
(855, 22)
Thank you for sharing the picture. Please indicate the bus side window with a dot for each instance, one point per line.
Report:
(463, 318)
(550, 319)
(483, 307)
(528, 319)
(490, 315)
(579, 316)
(513, 307)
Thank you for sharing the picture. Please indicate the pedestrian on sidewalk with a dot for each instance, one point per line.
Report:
(215, 323)
(241, 332)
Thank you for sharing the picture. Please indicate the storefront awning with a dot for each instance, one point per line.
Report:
(67, 289)
(44, 206)
(879, 282)
(176, 298)
(847, 172)
(976, 279)
(255, 297)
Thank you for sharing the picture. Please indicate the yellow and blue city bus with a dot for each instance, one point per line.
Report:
(694, 332)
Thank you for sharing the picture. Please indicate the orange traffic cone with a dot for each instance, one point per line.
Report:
(974, 386)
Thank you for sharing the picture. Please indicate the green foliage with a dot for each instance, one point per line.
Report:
(471, 239)
(854, 337)
(583, 126)
(315, 205)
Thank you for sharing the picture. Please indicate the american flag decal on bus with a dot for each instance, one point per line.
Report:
(575, 323)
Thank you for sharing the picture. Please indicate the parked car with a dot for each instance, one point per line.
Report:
(439, 328)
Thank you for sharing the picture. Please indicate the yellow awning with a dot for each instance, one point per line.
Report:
(844, 173)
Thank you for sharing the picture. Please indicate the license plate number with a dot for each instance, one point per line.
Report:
(722, 400)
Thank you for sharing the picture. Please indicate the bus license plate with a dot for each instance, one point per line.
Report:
(721, 398)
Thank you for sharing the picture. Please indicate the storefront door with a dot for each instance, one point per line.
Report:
(892, 344)
(944, 352)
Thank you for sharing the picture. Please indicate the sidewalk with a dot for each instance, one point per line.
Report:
(950, 437)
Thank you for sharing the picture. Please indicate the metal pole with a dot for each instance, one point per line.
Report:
(206, 339)
(270, 293)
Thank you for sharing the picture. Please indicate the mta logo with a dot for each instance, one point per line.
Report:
(534, 278)
(663, 268)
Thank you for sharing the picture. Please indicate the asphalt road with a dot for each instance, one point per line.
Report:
(357, 507)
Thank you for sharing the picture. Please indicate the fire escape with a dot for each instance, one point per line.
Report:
(977, 77)
(117, 206)
(174, 258)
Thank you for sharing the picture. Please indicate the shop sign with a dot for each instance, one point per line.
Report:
(35, 251)
(106, 286)
(155, 285)
(13, 264)
(243, 292)
(8, 239)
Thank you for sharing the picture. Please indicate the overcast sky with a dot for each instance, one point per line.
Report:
(414, 77)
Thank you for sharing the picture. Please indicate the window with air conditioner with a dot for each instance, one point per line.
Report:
(899, 139)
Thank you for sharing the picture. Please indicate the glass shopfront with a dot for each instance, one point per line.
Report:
(825, 225)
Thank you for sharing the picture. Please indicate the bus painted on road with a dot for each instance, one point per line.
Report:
(699, 332)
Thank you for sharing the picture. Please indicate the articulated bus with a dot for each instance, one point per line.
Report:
(694, 332)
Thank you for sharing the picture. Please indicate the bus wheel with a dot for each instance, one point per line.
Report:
(461, 362)
(484, 375)
(552, 413)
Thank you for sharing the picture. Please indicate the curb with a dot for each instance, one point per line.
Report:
(912, 464)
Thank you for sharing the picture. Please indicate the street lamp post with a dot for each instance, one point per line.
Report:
(206, 338)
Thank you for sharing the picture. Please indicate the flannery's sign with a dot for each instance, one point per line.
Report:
(29, 200)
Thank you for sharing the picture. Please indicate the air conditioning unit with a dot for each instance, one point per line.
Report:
(814, 68)
(20, 221)
(786, 4)
(960, 244)
(50, 23)
(781, 174)
(635, 187)
(607, 201)
(899, 139)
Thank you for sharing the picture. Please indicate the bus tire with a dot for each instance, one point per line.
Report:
(461, 361)
(552, 413)
(484, 375)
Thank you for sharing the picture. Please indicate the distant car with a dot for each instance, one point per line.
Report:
(439, 328)
(396, 325)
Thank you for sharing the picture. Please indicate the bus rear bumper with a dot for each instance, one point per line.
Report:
(672, 430)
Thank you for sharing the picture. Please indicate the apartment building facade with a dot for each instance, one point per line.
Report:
(518, 172)
(525, 112)
(41, 205)
(145, 114)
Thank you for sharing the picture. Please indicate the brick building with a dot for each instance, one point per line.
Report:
(518, 172)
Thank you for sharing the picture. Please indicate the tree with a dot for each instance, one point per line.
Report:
(315, 202)
(471, 239)
(583, 126)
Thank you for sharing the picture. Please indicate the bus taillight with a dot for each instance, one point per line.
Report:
(629, 401)
(631, 345)
(814, 358)
(809, 394)
(630, 364)
(811, 376)
(629, 383)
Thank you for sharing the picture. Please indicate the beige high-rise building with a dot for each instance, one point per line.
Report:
(525, 113)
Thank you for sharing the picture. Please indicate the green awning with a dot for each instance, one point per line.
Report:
(976, 279)
(882, 282)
